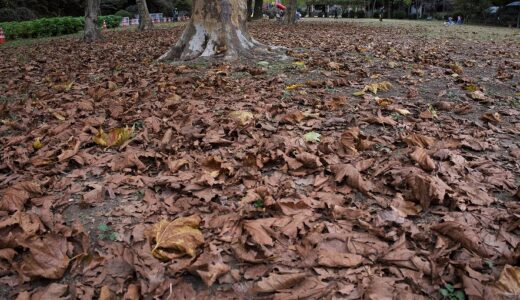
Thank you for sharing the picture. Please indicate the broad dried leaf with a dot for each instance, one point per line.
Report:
(15, 197)
(374, 88)
(423, 159)
(276, 282)
(508, 284)
(257, 230)
(464, 235)
(427, 189)
(176, 238)
(354, 178)
(333, 259)
(47, 257)
(241, 117)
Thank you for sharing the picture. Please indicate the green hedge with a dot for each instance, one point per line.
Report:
(46, 27)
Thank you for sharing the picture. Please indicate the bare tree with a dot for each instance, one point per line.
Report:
(217, 28)
(145, 22)
(92, 32)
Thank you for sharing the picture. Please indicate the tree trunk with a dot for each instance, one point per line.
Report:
(258, 10)
(216, 28)
(92, 32)
(290, 14)
(249, 9)
(145, 22)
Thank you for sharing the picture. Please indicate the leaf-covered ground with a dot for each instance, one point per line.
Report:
(373, 162)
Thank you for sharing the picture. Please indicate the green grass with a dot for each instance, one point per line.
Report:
(436, 29)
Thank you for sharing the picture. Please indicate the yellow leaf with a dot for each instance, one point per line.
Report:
(299, 63)
(176, 238)
(375, 87)
(56, 115)
(37, 144)
(359, 94)
(241, 117)
(293, 87)
(403, 111)
(471, 87)
(518, 94)
(115, 137)
(509, 281)
(383, 102)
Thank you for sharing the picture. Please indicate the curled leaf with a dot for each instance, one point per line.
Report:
(176, 238)
(37, 144)
(115, 137)
(293, 87)
(380, 86)
(241, 117)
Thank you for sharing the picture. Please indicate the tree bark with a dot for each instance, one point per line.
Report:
(290, 14)
(217, 28)
(249, 9)
(145, 22)
(92, 32)
(258, 10)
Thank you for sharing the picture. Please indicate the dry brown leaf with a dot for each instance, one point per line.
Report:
(275, 282)
(508, 284)
(494, 118)
(334, 259)
(354, 178)
(257, 230)
(176, 238)
(423, 159)
(47, 257)
(464, 235)
(419, 140)
(15, 196)
(427, 189)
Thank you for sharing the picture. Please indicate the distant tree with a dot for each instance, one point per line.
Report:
(145, 22)
(92, 32)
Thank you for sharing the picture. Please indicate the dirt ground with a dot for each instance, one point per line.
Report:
(365, 160)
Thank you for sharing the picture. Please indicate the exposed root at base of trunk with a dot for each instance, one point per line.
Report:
(197, 42)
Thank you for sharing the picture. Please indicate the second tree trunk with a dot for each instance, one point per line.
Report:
(145, 22)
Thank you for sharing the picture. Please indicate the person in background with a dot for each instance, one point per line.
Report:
(459, 20)
(381, 12)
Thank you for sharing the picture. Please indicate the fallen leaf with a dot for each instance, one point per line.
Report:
(464, 235)
(275, 282)
(508, 283)
(312, 137)
(383, 102)
(333, 259)
(374, 88)
(241, 117)
(15, 196)
(423, 159)
(492, 117)
(354, 178)
(47, 257)
(115, 137)
(37, 144)
(176, 238)
(477, 95)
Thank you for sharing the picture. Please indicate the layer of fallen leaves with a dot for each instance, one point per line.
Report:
(121, 178)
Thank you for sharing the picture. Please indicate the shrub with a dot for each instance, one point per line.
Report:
(25, 14)
(399, 15)
(360, 14)
(8, 15)
(46, 27)
(124, 13)
(112, 21)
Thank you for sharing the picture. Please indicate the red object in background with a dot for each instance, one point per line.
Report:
(281, 6)
(2, 36)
